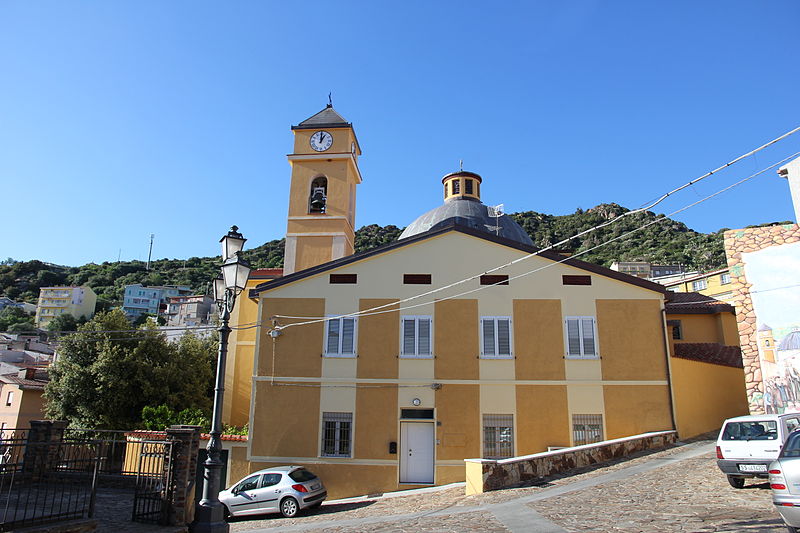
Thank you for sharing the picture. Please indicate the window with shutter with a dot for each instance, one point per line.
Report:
(340, 337)
(581, 337)
(415, 334)
(496, 337)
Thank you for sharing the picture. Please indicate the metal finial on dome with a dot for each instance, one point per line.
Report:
(461, 165)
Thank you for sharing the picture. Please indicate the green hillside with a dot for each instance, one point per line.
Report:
(666, 242)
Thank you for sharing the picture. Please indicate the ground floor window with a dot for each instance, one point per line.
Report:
(587, 429)
(498, 436)
(336, 434)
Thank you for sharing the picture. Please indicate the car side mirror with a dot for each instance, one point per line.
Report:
(235, 491)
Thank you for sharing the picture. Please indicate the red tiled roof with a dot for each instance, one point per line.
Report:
(710, 352)
(266, 272)
(150, 434)
(37, 383)
(694, 303)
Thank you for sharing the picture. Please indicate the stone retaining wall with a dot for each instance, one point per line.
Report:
(485, 474)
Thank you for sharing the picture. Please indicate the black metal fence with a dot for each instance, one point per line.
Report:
(45, 481)
(153, 481)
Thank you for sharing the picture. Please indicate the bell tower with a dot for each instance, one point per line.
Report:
(322, 195)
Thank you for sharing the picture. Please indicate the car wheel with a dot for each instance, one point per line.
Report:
(289, 507)
(736, 482)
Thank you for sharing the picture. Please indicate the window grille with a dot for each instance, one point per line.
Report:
(496, 337)
(336, 432)
(576, 280)
(456, 186)
(416, 332)
(724, 279)
(498, 436)
(340, 337)
(587, 429)
(343, 278)
(581, 339)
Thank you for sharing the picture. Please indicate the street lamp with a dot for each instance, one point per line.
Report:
(209, 515)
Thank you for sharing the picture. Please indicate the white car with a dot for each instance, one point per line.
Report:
(284, 489)
(748, 444)
(784, 480)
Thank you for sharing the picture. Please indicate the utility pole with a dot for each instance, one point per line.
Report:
(150, 253)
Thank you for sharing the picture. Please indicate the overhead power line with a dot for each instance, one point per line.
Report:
(376, 309)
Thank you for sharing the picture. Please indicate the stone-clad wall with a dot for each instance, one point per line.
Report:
(484, 474)
(738, 242)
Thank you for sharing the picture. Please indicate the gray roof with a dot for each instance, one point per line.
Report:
(790, 341)
(764, 327)
(472, 214)
(326, 117)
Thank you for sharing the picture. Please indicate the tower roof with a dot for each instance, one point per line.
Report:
(328, 118)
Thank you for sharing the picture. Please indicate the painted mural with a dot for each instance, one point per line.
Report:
(765, 268)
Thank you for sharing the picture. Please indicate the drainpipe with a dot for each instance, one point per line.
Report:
(669, 365)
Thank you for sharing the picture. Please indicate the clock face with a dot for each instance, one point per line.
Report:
(321, 141)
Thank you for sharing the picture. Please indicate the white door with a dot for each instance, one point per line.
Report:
(416, 452)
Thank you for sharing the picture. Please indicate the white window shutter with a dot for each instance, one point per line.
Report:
(408, 336)
(333, 336)
(348, 336)
(587, 325)
(503, 336)
(424, 336)
(573, 337)
(488, 336)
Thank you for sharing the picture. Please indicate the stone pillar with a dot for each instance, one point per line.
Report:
(43, 446)
(186, 443)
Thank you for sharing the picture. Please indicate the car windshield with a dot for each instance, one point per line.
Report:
(302, 475)
(792, 446)
(751, 430)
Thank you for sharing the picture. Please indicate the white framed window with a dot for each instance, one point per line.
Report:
(699, 285)
(581, 337)
(724, 278)
(496, 337)
(415, 336)
(337, 430)
(340, 337)
(498, 436)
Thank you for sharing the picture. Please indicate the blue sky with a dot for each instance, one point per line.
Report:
(121, 119)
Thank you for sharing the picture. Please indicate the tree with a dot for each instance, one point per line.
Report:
(107, 373)
(12, 316)
(65, 322)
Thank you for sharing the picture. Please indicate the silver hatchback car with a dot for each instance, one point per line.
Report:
(784, 480)
(284, 489)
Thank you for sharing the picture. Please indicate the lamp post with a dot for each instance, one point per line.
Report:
(209, 515)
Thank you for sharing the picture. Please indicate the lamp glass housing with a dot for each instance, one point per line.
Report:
(219, 288)
(235, 270)
(232, 243)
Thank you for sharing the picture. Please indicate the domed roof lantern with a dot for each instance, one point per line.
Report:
(462, 185)
(463, 206)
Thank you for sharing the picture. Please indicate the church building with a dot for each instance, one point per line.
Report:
(386, 369)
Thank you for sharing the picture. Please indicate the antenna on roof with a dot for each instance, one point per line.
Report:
(461, 165)
(496, 211)
(330, 100)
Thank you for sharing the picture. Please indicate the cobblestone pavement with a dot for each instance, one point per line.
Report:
(679, 489)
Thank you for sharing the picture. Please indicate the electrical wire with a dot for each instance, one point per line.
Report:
(375, 310)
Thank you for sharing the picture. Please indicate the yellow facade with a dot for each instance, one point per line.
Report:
(377, 384)
(25, 405)
(55, 301)
(318, 233)
(705, 392)
(716, 284)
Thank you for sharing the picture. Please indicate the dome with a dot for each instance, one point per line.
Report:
(790, 342)
(470, 213)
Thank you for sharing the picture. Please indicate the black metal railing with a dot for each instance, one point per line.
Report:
(112, 446)
(42, 482)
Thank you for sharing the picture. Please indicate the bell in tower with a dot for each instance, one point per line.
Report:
(318, 198)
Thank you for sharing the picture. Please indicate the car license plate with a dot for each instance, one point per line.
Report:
(752, 468)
